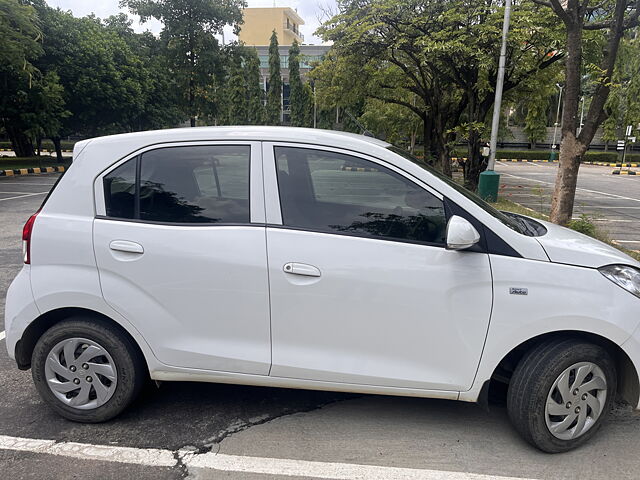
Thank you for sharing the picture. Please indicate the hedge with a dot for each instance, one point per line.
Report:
(46, 145)
(608, 157)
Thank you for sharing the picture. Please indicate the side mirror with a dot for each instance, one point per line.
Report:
(461, 234)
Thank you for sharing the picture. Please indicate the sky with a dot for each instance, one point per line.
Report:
(312, 12)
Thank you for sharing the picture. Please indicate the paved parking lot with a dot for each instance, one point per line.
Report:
(207, 431)
(613, 201)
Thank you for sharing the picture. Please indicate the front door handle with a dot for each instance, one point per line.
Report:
(301, 269)
(126, 246)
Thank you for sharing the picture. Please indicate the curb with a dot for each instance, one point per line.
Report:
(605, 164)
(27, 171)
(624, 172)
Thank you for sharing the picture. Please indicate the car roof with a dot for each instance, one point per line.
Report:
(123, 144)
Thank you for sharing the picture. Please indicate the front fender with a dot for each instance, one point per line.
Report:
(560, 298)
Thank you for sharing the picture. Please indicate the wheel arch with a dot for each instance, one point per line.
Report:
(35, 330)
(628, 378)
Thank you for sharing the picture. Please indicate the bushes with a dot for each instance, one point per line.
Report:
(584, 225)
(611, 157)
(46, 145)
(520, 154)
(607, 157)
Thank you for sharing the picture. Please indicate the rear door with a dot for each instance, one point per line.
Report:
(363, 290)
(180, 245)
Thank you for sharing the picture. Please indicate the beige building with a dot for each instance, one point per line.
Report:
(259, 23)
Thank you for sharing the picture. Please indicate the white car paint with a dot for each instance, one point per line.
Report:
(213, 303)
(573, 248)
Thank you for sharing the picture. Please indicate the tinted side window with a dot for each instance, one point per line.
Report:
(329, 191)
(197, 184)
(120, 190)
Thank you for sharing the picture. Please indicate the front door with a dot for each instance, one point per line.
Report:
(363, 290)
(181, 252)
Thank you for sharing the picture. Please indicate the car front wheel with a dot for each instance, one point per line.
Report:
(86, 370)
(561, 394)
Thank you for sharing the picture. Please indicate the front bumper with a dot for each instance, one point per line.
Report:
(631, 376)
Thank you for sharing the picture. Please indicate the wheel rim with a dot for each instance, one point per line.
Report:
(576, 401)
(81, 373)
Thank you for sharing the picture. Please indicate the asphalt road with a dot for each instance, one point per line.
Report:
(207, 431)
(612, 201)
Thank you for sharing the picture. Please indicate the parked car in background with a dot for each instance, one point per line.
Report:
(311, 259)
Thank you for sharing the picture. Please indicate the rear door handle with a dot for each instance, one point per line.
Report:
(126, 246)
(301, 269)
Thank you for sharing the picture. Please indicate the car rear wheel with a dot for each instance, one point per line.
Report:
(561, 394)
(86, 370)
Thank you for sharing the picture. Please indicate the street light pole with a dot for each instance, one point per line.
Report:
(489, 179)
(555, 129)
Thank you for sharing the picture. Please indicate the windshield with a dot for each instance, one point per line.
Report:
(516, 222)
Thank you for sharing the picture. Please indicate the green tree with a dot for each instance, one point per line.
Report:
(297, 101)
(535, 98)
(274, 94)
(45, 111)
(446, 54)
(580, 19)
(255, 93)
(393, 122)
(238, 94)
(21, 46)
(189, 29)
(623, 105)
(307, 93)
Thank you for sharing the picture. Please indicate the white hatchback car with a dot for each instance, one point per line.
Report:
(312, 259)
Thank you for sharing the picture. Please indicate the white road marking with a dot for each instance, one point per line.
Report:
(616, 220)
(84, 451)
(22, 196)
(581, 189)
(597, 207)
(626, 241)
(15, 193)
(334, 471)
(234, 463)
(2, 335)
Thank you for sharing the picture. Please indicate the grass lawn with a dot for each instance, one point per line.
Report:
(11, 163)
(583, 225)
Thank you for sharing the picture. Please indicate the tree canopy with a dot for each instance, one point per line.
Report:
(444, 54)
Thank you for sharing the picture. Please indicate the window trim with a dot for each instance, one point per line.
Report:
(256, 190)
(272, 191)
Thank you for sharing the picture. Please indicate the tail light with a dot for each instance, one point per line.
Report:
(27, 230)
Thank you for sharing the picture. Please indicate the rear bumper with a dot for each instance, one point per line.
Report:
(20, 309)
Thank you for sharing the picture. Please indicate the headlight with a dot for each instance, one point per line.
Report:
(625, 276)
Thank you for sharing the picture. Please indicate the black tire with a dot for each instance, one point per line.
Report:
(533, 379)
(131, 368)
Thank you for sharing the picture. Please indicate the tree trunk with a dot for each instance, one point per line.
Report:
(20, 142)
(445, 162)
(58, 148)
(475, 163)
(570, 150)
(427, 133)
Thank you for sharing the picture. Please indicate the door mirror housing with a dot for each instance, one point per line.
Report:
(461, 234)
